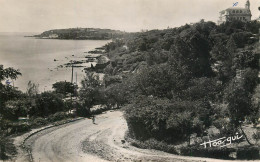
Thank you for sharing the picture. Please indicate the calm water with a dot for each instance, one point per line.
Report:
(35, 58)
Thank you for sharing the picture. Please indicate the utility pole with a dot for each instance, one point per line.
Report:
(75, 91)
(71, 83)
(72, 73)
(76, 79)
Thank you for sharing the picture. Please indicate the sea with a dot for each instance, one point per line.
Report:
(41, 61)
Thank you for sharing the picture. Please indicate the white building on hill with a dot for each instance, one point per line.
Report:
(236, 13)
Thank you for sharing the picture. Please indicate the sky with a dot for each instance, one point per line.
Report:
(126, 15)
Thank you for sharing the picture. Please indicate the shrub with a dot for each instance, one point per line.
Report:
(18, 128)
(39, 122)
(172, 122)
(112, 80)
(57, 116)
(248, 153)
(63, 87)
(154, 144)
(48, 103)
(2, 149)
(213, 152)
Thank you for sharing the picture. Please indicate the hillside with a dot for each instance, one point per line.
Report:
(81, 34)
(179, 84)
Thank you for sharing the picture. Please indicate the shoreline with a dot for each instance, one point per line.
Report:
(43, 61)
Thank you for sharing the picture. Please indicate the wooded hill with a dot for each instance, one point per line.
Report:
(179, 83)
(81, 34)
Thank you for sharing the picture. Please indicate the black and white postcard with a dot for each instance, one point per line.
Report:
(129, 80)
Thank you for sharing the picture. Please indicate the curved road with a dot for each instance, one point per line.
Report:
(83, 141)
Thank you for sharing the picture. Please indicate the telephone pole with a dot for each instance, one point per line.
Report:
(71, 84)
(76, 78)
(72, 73)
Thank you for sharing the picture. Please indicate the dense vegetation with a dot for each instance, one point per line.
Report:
(177, 83)
(82, 34)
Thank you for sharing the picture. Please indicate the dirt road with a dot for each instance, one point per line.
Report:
(83, 141)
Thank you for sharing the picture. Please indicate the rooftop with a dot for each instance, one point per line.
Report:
(242, 10)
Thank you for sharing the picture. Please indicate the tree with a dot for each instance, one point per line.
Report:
(32, 89)
(200, 89)
(48, 103)
(2, 140)
(162, 80)
(239, 104)
(17, 108)
(192, 51)
(246, 59)
(231, 46)
(63, 87)
(256, 105)
(157, 57)
(6, 91)
(116, 94)
(222, 61)
(185, 123)
(8, 73)
(90, 92)
(163, 119)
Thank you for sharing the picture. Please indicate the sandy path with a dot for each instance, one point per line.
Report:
(83, 141)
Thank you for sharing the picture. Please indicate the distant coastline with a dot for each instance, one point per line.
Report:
(80, 34)
(37, 37)
(28, 36)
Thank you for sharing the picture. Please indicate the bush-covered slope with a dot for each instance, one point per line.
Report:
(180, 82)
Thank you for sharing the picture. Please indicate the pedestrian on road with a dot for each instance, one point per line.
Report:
(93, 119)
